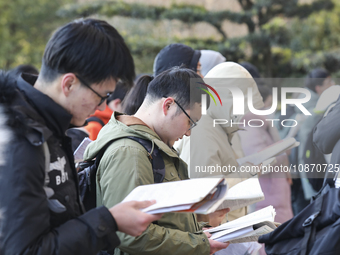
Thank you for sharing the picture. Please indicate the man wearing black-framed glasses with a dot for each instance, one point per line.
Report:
(41, 212)
(102, 99)
(169, 112)
(192, 122)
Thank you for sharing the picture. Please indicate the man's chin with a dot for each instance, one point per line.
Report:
(78, 123)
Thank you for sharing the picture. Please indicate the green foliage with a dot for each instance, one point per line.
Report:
(304, 10)
(316, 41)
(276, 45)
(24, 30)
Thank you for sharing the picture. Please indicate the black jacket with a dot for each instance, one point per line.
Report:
(326, 134)
(42, 213)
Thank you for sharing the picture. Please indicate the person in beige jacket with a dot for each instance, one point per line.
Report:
(212, 146)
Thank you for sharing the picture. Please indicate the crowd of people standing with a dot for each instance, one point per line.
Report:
(86, 87)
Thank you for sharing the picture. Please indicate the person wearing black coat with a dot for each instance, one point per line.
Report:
(41, 212)
(326, 135)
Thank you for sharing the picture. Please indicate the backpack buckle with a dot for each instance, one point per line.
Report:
(310, 219)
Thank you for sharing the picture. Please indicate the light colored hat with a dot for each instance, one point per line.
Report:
(228, 75)
(209, 59)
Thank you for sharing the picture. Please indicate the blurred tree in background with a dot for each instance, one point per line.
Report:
(285, 38)
(25, 27)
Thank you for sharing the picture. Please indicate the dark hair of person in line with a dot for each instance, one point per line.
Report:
(316, 77)
(176, 54)
(178, 82)
(90, 48)
(254, 72)
(120, 92)
(18, 70)
(136, 95)
(264, 91)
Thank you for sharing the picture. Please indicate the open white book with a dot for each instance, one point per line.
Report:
(203, 195)
(243, 194)
(271, 151)
(247, 228)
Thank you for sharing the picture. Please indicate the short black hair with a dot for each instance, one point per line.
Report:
(264, 91)
(119, 92)
(316, 77)
(177, 83)
(91, 48)
(254, 72)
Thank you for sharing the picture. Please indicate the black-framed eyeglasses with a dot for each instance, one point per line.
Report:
(192, 122)
(102, 99)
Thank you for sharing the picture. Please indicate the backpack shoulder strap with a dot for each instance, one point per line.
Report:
(158, 166)
(85, 164)
(102, 151)
(96, 119)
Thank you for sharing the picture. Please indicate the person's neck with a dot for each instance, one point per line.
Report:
(147, 115)
(46, 88)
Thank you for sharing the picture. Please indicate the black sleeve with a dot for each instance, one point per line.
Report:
(25, 217)
(327, 132)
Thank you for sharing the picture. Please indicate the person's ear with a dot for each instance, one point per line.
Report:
(166, 105)
(115, 104)
(68, 83)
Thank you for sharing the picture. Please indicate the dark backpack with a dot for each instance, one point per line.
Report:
(316, 161)
(78, 135)
(88, 169)
(314, 231)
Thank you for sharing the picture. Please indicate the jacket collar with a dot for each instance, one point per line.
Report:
(56, 117)
(141, 128)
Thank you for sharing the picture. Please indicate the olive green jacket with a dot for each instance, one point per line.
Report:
(124, 166)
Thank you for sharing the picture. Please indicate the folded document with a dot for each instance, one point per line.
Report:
(271, 151)
(203, 195)
(247, 228)
(243, 194)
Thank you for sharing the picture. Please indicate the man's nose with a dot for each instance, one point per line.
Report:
(102, 107)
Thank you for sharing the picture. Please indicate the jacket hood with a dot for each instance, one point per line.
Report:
(224, 77)
(209, 59)
(8, 95)
(27, 109)
(176, 54)
(327, 97)
(120, 126)
(20, 117)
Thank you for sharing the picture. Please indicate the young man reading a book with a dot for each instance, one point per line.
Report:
(168, 113)
(40, 210)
